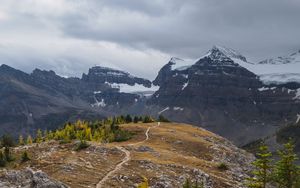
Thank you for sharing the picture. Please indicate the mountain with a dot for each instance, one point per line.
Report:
(45, 100)
(220, 92)
(114, 90)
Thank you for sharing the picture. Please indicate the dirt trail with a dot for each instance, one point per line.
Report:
(125, 159)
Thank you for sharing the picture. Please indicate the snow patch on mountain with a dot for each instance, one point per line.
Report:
(297, 97)
(292, 58)
(266, 88)
(298, 118)
(185, 85)
(280, 78)
(180, 64)
(99, 103)
(278, 70)
(166, 109)
(125, 88)
(176, 108)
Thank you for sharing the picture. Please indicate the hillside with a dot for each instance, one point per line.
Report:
(165, 153)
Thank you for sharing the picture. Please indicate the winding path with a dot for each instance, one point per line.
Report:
(125, 159)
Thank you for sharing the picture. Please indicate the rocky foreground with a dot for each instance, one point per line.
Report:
(166, 154)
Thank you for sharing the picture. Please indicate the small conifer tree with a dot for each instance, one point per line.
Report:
(161, 118)
(21, 140)
(7, 142)
(2, 159)
(261, 173)
(25, 157)
(286, 173)
(136, 119)
(148, 119)
(187, 184)
(128, 119)
(29, 140)
(39, 136)
(46, 137)
(8, 155)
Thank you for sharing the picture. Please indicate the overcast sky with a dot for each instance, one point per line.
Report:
(69, 36)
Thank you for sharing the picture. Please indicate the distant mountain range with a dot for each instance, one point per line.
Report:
(221, 91)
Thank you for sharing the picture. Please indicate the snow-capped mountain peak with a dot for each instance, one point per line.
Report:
(224, 53)
(225, 56)
(292, 58)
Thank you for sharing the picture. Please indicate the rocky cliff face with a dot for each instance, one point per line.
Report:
(107, 75)
(45, 100)
(113, 90)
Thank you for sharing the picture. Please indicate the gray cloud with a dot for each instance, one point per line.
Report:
(143, 32)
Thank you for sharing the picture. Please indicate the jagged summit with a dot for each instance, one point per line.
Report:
(220, 53)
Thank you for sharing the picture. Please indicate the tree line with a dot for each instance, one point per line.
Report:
(105, 131)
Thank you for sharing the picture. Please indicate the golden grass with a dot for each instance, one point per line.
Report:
(172, 144)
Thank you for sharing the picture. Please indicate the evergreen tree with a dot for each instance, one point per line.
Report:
(21, 140)
(122, 119)
(286, 172)
(39, 136)
(2, 159)
(50, 135)
(88, 134)
(57, 135)
(161, 118)
(136, 119)
(7, 142)
(25, 157)
(262, 170)
(141, 118)
(46, 137)
(97, 135)
(7, 154)
(128, 119)
(148, 119)
(187, 184)
(29, 140)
